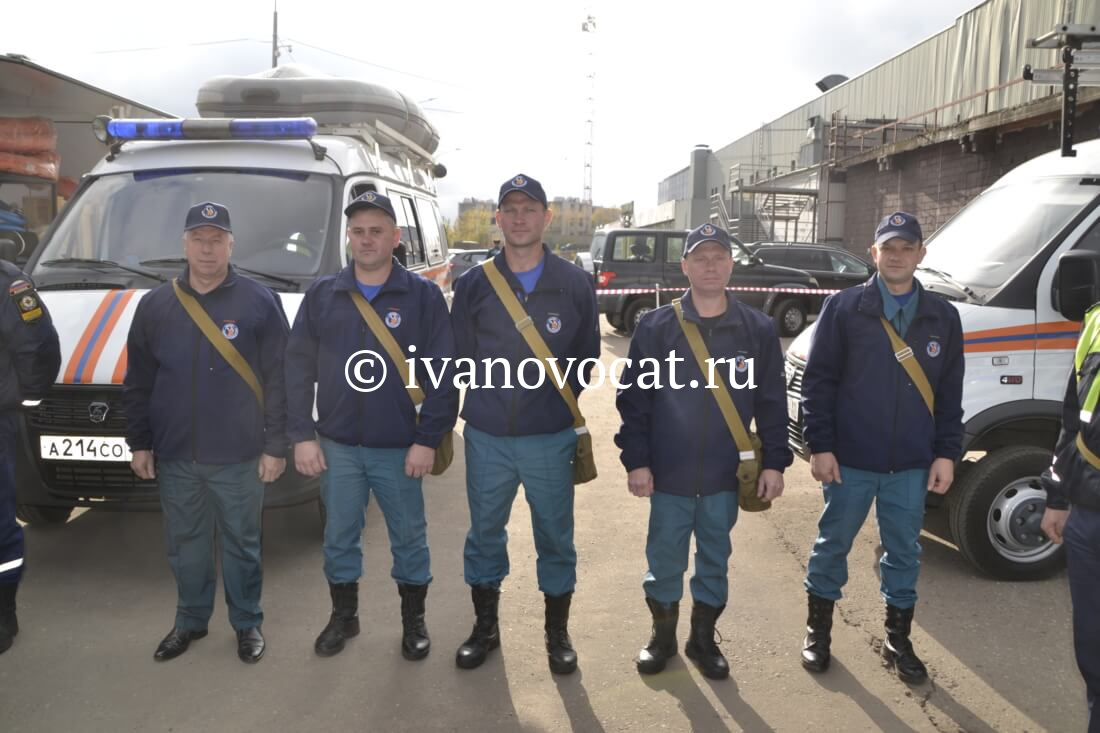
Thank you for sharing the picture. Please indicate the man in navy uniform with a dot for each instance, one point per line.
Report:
(30, 358)
(678, 450)
(208, 436)
(516, 435)
(877, 433)
(371, 441)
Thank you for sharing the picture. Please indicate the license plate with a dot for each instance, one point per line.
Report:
(792, 407)
(84, 448)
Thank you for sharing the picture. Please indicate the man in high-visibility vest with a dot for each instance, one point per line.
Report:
(1072, 515)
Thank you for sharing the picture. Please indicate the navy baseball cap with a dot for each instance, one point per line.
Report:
(525, 185)
(707, 233)
(371, 200)
(899, 224)
(207, 214)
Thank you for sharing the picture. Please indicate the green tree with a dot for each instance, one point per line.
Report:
(474, 226)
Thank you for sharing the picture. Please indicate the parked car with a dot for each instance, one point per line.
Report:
(462, 260)
(650, 258)
(835, 268)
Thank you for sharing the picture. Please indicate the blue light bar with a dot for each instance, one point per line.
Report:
(273, 128)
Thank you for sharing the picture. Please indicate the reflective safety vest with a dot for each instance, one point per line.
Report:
(1088, 343)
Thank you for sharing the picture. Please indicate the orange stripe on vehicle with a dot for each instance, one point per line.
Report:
(105, 335)
(120, 368)
(86, 337)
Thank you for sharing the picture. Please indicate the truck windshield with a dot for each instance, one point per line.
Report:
(280, 219)
(1000, 230)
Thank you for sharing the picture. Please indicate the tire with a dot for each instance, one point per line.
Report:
(790, 317)
(995, 513)
(43, 516)
(634, 313)
(615, 321)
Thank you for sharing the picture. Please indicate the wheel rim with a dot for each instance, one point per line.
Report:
(640, 314)
(1013, 523)
(792, 319)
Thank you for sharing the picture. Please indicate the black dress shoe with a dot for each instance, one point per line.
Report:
(250, 645)
(176, 643)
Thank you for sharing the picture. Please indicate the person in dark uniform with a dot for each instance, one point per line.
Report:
(517, 435)
(678, 450)
(1072, 515)
(30, 357)
(882, 399)
(206, 417)
(389, 452)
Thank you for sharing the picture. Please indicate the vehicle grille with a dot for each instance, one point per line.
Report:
(794, 372)
(67, 409)
(74, 479)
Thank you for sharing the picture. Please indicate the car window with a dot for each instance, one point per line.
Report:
(634, 248)
(674, 248)
(847, 264)
(772, 255)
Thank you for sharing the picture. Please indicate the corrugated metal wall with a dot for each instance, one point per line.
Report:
(985, 48)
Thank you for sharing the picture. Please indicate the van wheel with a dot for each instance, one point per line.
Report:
(995, 512)
(615, 321)
(790, 317)
(634, 313)
(43, 516)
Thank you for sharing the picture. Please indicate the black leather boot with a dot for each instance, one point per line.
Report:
(486, 634)
(415, 643)
(898, 650)
(662, 642)
(559, 647)
(700, 647)
(344, 621)
(819, 628)
(9, 624)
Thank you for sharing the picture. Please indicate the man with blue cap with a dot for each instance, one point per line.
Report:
(680, 452)
(882, 400)
(371, 437)
(515, 434)
(206, 418)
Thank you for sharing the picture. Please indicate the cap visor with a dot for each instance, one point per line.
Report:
(896, 234)
(525, 192)
(208, 224)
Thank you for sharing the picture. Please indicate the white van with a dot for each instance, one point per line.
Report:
(285, 181)
(996, 260)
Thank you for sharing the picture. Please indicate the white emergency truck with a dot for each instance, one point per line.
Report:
(286, 152)
(996, 260)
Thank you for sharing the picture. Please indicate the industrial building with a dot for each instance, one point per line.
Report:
(924, 131)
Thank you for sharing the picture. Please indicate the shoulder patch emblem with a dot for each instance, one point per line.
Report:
(26, 301)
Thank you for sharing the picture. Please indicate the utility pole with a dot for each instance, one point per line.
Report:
(589, 27)
(275, 35)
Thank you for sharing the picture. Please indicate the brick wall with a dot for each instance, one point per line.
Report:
(934, 182)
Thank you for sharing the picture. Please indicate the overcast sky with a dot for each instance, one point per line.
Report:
(505, 82)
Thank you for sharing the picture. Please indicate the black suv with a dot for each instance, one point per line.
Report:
(835, 268)
(650, 258)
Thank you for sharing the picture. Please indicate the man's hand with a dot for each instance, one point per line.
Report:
(143, 465)
(1054, 521)
(309, 459)
(419, 460)
(941, 475)
(640, 482)
(770, 484)
(271, 468)
(824, 468)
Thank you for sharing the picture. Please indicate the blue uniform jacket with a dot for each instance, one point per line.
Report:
(859, 402)
(680, 434)
(329, 329)
(183, 400)
(30, 355)
(563, 308)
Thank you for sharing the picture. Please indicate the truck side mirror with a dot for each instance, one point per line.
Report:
(1077, 283)
(9, 249)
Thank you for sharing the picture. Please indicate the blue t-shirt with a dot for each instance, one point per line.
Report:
(368, 291)
(900, 310)
(530, 277)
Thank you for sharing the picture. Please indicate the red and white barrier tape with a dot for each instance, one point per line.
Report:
(640, 291)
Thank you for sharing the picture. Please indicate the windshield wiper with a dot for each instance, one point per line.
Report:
(182, 260)
(953, 283)
(103, 263)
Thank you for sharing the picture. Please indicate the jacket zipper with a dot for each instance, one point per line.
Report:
(195, 396)
(705, 432)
